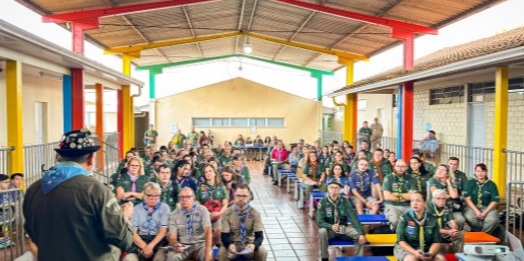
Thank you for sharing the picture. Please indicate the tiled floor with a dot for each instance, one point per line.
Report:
(289, 233)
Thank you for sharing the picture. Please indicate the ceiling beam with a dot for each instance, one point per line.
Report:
(190, 24)
(370, 19)
(159, 67)
(240, 20)
(310, 47)
(95, 14)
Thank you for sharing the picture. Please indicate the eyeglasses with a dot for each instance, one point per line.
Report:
(241, 196)
(152, 196)
(185, 197)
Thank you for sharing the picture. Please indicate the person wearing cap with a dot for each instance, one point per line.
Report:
(333, 214)
(72, 216)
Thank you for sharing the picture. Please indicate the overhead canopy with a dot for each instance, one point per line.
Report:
(358, 27)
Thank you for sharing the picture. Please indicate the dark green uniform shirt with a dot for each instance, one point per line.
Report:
(488, 192)
(326, 214)
(244, 172)
(309, 171)
(170, 194)
(125, 182)
(345, 167)
(460, 181)
(385, 168)
(444, 214)
(395, 185)
(224, 160)
(430, 168)
(206, 192)
(408, 230)
(421, 181)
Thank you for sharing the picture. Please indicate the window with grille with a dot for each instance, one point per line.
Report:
(448, 95)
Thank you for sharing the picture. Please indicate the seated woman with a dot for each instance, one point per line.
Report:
(231, 180)
(240, 169)
(313, 174)
(362, 181)
(338, 158)
(417, 171)
(194, 172)
(482, 197)
(416, 227)
(129, 185)
(150, 221)
(337, 174)
(445, 180)
(182, 175)
(449, 229)
(213, 195)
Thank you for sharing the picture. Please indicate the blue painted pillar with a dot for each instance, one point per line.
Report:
(67, 102)
(399, 122)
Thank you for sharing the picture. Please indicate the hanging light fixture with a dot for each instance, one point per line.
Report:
(248, 48)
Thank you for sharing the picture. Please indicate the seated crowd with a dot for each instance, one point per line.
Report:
(191, 195)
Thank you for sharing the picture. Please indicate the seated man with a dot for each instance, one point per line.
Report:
(362, 182)
(242, 228)
(190, 233)
(397, 188)
(449, 229)
(332, 217)
(429, 143)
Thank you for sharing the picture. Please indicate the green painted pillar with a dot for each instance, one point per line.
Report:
(318, 76)
(152, 82)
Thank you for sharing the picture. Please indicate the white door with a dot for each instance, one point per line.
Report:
(476, 135)
(39, 122)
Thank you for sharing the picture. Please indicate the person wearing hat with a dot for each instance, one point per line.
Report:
(71, 216)
(333, 214)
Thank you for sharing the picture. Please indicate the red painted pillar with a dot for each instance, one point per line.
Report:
(77, 32)
(77, 91)
(407, 93)
(120, 122)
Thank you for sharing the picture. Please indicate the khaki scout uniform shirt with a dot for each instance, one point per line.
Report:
(199, 220)
(231, 224)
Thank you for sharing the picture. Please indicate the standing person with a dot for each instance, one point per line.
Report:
(190, 234)
(376, 134)
(71, 216)
(333, 213)
(418, 234)
(178, 139)
(202, 139)
(397, 189)
(150, 221)
(193, 137)
(364, 133)
(150, 135)
(242, 228)
(211, 138)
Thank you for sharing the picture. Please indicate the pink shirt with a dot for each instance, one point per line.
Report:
(279, 154)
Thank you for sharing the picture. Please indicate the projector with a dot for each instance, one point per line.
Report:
(485, 250)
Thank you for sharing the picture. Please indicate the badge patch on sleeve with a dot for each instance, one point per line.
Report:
(411, 230)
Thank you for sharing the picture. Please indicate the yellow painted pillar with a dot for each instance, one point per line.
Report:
(501, 128)
(349, 120)
(15, 139)
(129, 121)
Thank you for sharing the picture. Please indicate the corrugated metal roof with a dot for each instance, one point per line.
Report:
(266, 17)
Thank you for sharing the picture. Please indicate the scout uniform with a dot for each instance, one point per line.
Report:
(444, 216)
(460, 181)
(244, 172)
(206, 192)
(450, 203)
(193, 138)
(189, 227)
(482, 194)
(397, 185)
(429, 167)
(345, 167)
(147, 224)
(362, 182)
(381, 168)
(307, 170)
(186, 181)
(128, 184)
(418, 234)
(224, 160)
(343, 180)
(170, 194)
(324, 159)
(338, 212)
(240, 229)
(421, 180)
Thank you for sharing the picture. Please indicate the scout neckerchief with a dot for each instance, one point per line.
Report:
(420, 224)
(400, 182)
(417, 176)
(133, 182)
(479, 195)
(164, 193)
(148, 224)
(211, 190)
(182, 181)
(439, 215)
(336, 217)
(379, 171)
(189, 219)
(314, 170)
(362, 176)
(242, 216)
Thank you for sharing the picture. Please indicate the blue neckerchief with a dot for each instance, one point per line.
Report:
(149, 224)
(59, 173)
(189, 219)
(242, 217)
